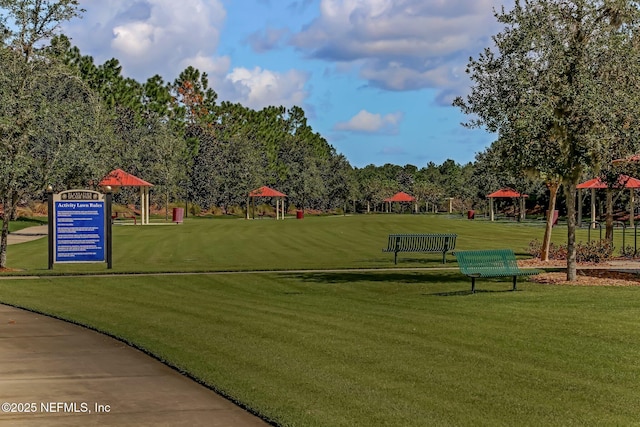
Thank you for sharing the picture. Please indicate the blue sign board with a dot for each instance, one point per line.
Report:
(79, 229)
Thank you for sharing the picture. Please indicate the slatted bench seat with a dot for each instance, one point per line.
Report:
(491, 263)
(440, 243)
(123, 215)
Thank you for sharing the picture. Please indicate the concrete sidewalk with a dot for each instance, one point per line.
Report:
(27, 234)
(53, 373)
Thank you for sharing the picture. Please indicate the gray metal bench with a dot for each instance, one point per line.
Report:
(491, 263)
(439, 243)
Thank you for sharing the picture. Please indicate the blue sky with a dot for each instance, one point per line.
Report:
(375, 77)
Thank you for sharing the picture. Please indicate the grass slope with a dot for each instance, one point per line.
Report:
(392, 348)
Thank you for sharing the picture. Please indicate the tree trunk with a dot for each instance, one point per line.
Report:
(546, 241)
(570, 193)
(609, 217)
(166, 208)
(6, 218)
(15, 199)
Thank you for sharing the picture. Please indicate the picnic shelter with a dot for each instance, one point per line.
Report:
(624, 181)
(399, 197)
(118, 178)
(265, 191)
(506, 193)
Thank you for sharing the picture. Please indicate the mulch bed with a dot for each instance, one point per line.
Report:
(601, 276)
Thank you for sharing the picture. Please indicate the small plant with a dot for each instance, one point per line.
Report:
(628, 251)
(535, 248)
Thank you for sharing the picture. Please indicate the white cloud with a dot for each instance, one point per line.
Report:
(258, 88)
(166, 36)
(149, 36)
(367, 122)
(401, 44)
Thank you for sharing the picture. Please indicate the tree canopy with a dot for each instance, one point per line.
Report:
(560, 87)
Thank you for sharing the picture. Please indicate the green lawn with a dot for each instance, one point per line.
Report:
(387, 348)
(355, 348)
(312, 243)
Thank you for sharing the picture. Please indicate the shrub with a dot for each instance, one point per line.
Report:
(195, 209)
(535, 248)
(594, 251)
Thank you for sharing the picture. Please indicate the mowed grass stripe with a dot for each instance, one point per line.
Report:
(204, 244)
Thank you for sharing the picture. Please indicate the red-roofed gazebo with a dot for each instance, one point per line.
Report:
(265, 191)
(624, 181)
(118, 178)
(506, 193)
(400, 196)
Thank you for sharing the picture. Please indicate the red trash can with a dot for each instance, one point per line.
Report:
(299, 214)
(471, 214)
(178, 215)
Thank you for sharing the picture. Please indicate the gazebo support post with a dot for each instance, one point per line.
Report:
(632, 210)
(142, 206)
(593, 208)
(491, 215)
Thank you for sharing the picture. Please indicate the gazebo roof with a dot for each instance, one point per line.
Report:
(120, 178)
(400, 197)
(506, 193)
(626, 180)
(265, 191)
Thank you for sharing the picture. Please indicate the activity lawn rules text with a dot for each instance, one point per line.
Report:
(81, 227)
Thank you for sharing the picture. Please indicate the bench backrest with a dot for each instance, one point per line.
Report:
(489, 260)
(416, 242)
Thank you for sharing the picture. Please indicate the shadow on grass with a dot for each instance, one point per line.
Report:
(467, 292)
(406, 261)
(390, 277)
(35, 221)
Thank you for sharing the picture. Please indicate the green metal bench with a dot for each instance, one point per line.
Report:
(441, 243)
(491, 263)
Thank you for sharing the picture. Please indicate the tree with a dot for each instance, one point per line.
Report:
(34, 21)
(565, 78)
(37, 92)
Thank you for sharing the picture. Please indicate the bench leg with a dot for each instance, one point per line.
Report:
(395, 257)
(473, 285)
(515, 278)
(444, 257)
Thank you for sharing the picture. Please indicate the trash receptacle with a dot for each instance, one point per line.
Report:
(178, 215)
(471, 214)
(299, 214)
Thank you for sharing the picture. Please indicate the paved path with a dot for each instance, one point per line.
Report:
(27, 234)
(68, 375)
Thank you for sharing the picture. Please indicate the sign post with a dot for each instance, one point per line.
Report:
(79, 227)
